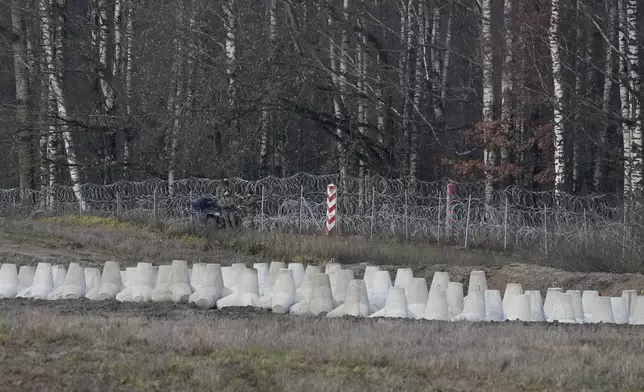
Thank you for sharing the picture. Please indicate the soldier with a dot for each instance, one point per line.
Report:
(250, 207)
(226, 200)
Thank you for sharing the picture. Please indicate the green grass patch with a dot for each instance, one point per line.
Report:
(89, 220)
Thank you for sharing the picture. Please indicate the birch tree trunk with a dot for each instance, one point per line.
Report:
(610, 72)
(447, 44)
(175, 101)
(361, 61)
(418, 92)
(46, 113)
(636, 132)
(559, 130)
(118, 36)
(405, 81)
(380, 106)
(25, 157)
(107, 89)
(53, 48)
(625, 94)
(129, 39)
(104, 71)
(266, 118)
(488, 115)
(507, 81)
(342, 80)
(229, 10)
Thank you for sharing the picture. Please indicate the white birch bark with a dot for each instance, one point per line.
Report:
(610, 72)
(507, 79)
(636, 128)
(380, 106)
(118, 47)
(129, 39)
(54, 60)
(46, 109)
(447, 44)
(625, 96)
(489, 153)
(104, 71)
(175, 102)
(361, 61)
(265, 119)
(229, 9)
(405, 86)
(50, 139)
(418, 92)
(21, 76)
(342, 80)
(440, 56)
(559, 131)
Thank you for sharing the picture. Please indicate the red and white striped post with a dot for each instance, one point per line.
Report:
(331, 201)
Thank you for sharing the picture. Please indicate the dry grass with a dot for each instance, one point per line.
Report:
(104, 346)
(152, 241)
(92, 240)
(78, 345)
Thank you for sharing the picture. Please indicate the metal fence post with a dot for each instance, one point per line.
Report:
(545, 229)
(299, 222)
(585, 231)
(505, 225)
(406, 216)
(262, 211)
(467, 220)
(438, 224)
(373, 204)
(154, 203)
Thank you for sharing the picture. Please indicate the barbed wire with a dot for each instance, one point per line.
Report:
(513, 217)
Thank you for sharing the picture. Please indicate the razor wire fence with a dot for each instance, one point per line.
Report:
(512, 218)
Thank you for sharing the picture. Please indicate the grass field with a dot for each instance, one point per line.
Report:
(104, 346)
(82, 345)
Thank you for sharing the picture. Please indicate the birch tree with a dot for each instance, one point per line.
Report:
(488, 116)
(361, 61)
(21, 75)
(229, 8)
(558, 130)
(338, 67)
(266, 117)
(417, 90)
(439, 54)
(611, 71)
(635, 137)
(129, 40)
(175, 100)
(626, 92)
(52, 37)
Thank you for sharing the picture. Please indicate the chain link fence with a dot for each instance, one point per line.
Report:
(513, 219)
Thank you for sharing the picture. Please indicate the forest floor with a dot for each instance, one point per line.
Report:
(85, 345)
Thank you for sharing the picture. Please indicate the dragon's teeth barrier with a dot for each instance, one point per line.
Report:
(306, 290)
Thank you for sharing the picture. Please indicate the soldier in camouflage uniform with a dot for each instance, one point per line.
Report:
(249, 207)
(227, 201)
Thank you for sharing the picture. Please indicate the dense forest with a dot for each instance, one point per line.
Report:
(544, 94)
